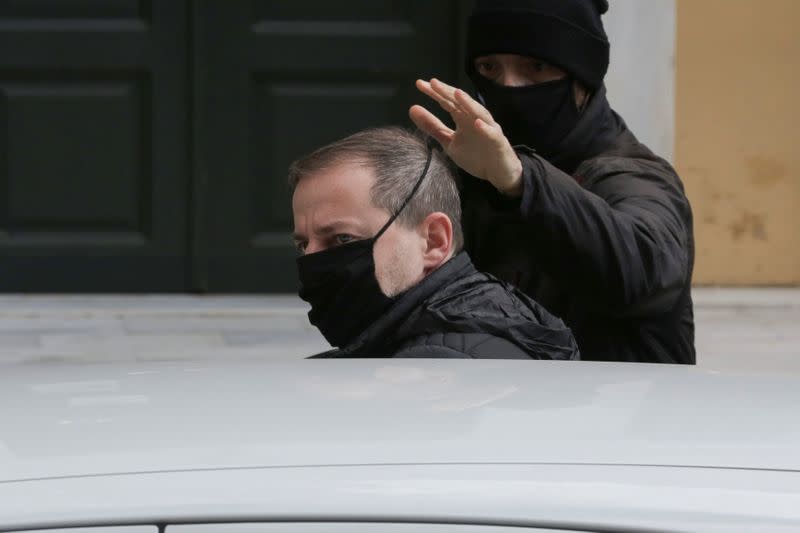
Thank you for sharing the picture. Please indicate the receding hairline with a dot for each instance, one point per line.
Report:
(350, 149)
(331, 163)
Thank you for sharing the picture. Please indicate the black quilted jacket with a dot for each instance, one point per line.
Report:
(458, 312)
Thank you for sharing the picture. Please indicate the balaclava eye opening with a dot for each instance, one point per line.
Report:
(566, 33)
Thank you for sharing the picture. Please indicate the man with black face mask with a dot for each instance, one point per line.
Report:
(377, 223)
(559, 197)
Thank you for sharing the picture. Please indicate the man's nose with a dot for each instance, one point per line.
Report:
(511, 78)
(313, 247)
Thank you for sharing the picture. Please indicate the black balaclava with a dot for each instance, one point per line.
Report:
(566, 33)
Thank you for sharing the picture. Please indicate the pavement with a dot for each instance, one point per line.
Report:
(744, 330)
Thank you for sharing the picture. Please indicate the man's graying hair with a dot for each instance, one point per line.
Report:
(397, 157)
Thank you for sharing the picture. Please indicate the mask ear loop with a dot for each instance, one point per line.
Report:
(411, 194)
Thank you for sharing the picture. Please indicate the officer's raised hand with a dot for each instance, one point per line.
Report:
(477, 144)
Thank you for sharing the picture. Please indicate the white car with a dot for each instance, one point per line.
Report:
(398, 446)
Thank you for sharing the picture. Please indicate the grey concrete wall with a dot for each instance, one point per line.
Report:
(641, 77)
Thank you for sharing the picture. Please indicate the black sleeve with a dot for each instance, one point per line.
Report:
(622, 247)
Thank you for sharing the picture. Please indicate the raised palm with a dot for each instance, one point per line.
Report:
(477, 144)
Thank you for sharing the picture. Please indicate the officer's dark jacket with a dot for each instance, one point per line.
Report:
(458, 312)
(602, 237)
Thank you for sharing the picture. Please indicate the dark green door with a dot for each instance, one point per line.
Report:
(279, 79)
(93, 149)
(144, 144)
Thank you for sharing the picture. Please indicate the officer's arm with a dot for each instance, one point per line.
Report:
(623, 249)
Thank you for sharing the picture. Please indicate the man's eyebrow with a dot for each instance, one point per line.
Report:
(327, 229)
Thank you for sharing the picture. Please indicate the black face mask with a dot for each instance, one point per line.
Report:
(341, 286)
(538, 116)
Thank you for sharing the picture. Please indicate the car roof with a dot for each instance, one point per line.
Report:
(96, 419)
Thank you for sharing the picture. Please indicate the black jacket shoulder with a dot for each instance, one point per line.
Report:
(461, 346)
(458, 312)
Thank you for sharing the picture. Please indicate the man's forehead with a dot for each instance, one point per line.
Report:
(346, 177)
(336, 197)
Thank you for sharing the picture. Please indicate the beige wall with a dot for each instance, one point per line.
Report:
(737, 137)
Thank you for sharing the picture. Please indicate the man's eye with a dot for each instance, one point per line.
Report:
(343, 238)
(539, 66)
(486, 67)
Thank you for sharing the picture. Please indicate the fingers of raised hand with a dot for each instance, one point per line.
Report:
(450, 93)
(445, 90)
(446, 103)
(466, 108)
(430, 124)
(472, 107)
(445, 95)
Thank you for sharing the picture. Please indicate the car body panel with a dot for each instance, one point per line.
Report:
(100, 419)
(557, 496)
(501, 443)
(101, 529)
(348, 527)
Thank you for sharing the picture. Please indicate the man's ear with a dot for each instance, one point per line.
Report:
(437, 234)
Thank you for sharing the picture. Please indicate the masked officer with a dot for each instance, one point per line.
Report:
(558, 195)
